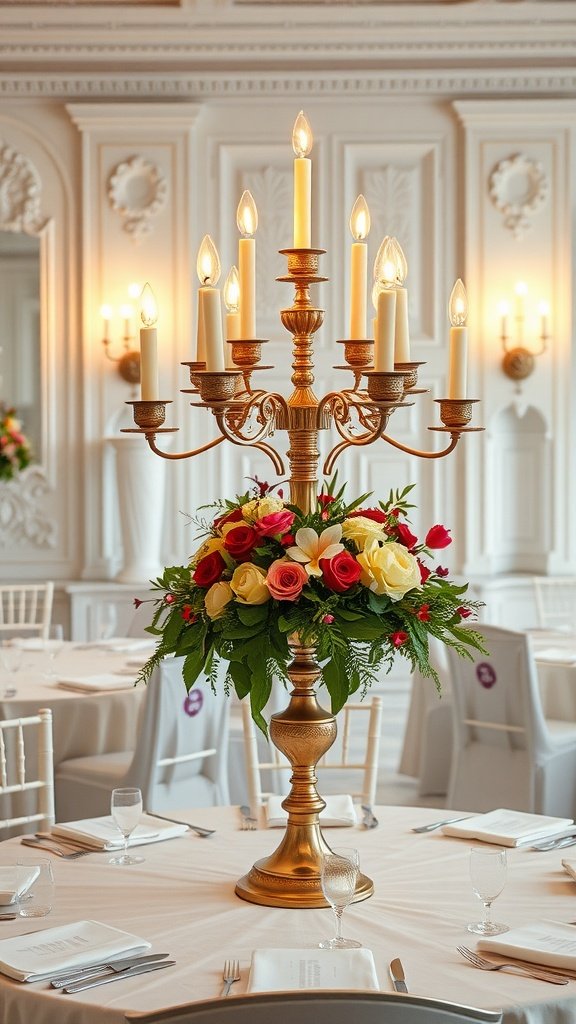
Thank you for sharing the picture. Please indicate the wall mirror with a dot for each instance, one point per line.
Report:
(20, 350)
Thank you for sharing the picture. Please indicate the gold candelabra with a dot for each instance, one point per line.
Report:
(245, 416)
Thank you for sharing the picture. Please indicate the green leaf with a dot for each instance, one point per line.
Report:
(193, 666)
(251, 614)
(334, 676)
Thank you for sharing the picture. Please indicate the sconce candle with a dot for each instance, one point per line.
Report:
(127, 312)
(458, 312)
(544, 311)
(401, 329)
(504, 310)
(209, 307)
(106, 314)
(149, 389)
(384, 329)
(247, 221)
(302, 145)
(360, 227)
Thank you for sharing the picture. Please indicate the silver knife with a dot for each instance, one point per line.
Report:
(205, 833)
(397, 975)
(109, 967)
(81, 986)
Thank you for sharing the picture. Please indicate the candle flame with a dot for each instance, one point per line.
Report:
(208, 263)
(521, 288)
(148, 307)
(231, 291)
(106, 312)
(385, 263)
(247, 215)
(400, 261)
(360, 219)
(544, 308)
(302, 135)
(458, 305)
(504, 308)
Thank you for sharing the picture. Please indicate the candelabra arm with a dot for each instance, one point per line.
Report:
(150, 437)
(246, 442)
(454, 438)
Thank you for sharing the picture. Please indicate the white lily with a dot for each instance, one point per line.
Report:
(311, 547)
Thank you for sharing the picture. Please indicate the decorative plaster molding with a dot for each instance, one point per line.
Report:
(23, 510)
(138, 192)
(135, 85)
(518, 188)
(20, 189)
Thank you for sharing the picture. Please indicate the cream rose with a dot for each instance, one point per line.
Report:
(248, 583)
(389, 569)
(217, 598)
(209, 545)
(360, 530)
(260, 507)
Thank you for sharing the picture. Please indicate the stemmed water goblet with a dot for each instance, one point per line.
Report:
(11, 661)
(338, 877)
(55, 646)
(126, 810)
(488, 875)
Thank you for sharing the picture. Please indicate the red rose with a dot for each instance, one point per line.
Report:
(188, 615)
(424, 571)
(288, 540)
(276, 522)
(370, 513)
(340, 572)
(438, 537)
(285, 579)
(441, 571)
(235, 516)
(405, 536)
(399, 638)
(240, 540)
(326, 499)
(209, 569)
(464, 613)
(423, 613)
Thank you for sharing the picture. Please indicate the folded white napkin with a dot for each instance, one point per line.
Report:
(545, 942)
(507, 828)
(97, 683)
(279, 970)
(40, 955)
(103, 834)
(339, 811)
(556, 655)
(14, 882)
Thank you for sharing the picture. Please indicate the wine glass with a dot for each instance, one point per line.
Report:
(54, 646)
(11, 662)
(338, 876)
(488, 875)
(126, 809)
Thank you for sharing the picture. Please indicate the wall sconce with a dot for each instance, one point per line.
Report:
(518, 361)
(129, 361)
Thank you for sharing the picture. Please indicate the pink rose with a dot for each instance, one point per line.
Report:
(275, 523)
(285, 579)
(438, 537)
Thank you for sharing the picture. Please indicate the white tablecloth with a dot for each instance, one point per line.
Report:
(182, 900)
(83, 724)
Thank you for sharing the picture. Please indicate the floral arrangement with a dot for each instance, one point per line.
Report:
(350, 579)
(15, 453)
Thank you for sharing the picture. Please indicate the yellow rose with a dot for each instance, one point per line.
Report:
(249, 511)
(209, 545)
(389, 569)
(219, 595)
(248, 584)
(360, 530)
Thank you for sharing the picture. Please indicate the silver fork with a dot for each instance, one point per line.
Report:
(487, 965)
(248, 823)
(437, 824)
(61, 851)
(230, 974)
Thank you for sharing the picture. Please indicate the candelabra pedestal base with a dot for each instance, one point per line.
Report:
(290, 877)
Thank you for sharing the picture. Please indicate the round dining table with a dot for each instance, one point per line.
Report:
(181, 899)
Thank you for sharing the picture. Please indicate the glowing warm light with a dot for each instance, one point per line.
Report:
(208, 263)
(521, 288)
(400, 262)
(385, 263)
(148, 307)
(360, 219)
(302, 135)
(134, 290)
(231, 291)
(106, 312)
(126, 310)
(504, 308)
(458, 305)
(544, 308)
(247, 215)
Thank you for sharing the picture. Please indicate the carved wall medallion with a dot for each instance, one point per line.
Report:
(20, 189)
(138, 192)
(518, 187)
(23, 517)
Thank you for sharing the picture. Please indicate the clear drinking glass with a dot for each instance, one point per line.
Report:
(55, 646)
(126, 810)
(339, 874)
(10, 663)
(488, 875)
(38, 897)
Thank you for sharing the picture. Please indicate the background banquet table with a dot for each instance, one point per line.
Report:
(182, 900)
(83, 723)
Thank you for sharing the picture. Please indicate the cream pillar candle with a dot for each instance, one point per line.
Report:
(247, 221)
(106, 314)
(458, 367)
(208, 270)
(212, 309)
(359, 226)
(302, 144)
(149, 388)
(200, 331)
(402, 331)
(384, 333)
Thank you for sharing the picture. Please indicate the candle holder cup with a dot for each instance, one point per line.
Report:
(456, 412)
(195, 368)
(385, 385)
(217, 385)
(149, 414)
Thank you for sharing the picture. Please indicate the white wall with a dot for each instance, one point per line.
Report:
(413, 105)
